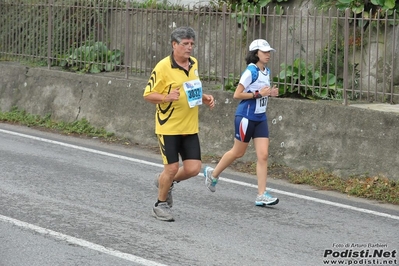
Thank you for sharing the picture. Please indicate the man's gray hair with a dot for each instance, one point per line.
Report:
(182, 33)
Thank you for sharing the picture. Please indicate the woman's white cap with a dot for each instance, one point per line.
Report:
(260, 44)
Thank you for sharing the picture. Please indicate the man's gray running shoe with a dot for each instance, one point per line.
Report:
(265, 199)
(169, 199)
(162, 212)
(210, 182)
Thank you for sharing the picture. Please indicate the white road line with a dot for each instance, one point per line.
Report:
(80, 148)
(395, 217)
(327, 202)
(80, 242)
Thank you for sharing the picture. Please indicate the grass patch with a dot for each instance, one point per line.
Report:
(79, 127)
(378, 188)
(371, 187)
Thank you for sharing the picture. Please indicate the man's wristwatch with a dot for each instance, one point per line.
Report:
(257, 95)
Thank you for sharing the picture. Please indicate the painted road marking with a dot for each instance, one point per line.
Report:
(130, 257)
(80, 242)
(295, 195)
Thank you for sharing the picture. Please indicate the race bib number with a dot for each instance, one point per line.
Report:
(261, 104)
(193, 91)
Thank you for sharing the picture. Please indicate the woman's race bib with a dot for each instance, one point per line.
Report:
(193, 89)
(261, 104)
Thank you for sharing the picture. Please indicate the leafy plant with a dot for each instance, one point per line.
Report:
(92, 58)
(24, 24)
(159, 5)
(357, 6)
(306, 81)
(246, 10)
(231, 82)
(373, 9)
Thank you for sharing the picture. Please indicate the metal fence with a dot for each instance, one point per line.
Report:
(322, 54)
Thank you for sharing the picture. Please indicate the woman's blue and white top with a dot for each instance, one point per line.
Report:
(254, 109)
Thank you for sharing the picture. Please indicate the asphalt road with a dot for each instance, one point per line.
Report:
(72, 201)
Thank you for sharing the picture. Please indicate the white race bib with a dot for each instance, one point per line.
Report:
(261, 104)
(193, 89)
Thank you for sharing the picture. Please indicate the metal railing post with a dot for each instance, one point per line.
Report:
(394, 44)
(224, 45)
(127, 34)
(49, 32)
(346, 54)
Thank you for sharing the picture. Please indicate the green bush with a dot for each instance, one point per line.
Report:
(306, 81)
(368, 10)
(92, 58)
